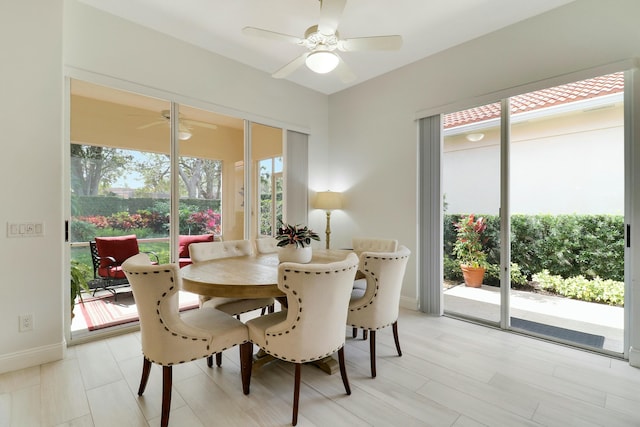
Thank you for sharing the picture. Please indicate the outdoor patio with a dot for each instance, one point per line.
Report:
(590, 318)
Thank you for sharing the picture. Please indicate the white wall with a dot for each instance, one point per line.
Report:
(565, 164)
(130, 56)
(373, 134)
(31, 176)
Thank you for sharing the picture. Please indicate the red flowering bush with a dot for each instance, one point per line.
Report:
(204, 222)
(126, 221)
(468, 248)
(98, 221)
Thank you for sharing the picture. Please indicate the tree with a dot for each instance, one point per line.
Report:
(200, 178)
(94, 168)
(155, 169)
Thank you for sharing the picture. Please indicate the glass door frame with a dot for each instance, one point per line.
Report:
(430, 131)
(175, 102)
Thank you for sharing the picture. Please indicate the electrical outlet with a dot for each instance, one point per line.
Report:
(25, 322)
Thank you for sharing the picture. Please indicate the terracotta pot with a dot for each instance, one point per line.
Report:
(472, 275)
(291, 253)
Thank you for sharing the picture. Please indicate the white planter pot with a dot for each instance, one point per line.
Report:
(291, 253)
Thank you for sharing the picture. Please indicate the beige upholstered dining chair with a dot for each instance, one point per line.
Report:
(169, 338)
(377, 306)
(206, 251)
(312, 327)
(369, 244)
(266, 245)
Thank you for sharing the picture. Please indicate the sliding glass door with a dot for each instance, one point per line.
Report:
(128, 178)
(471, 202)
(560, 158)
(567, 212)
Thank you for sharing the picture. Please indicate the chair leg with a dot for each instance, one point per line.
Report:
(219, 359)
(395, 337)
(372, 351)
(354, 332)
(272, 308)
(246, 364)
(296, 394)
(364, 334)
(146, 369)
(166, 395)
(210, 361)
(343, 371)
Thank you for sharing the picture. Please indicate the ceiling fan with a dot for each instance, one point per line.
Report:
(184, 125)
(323, 40)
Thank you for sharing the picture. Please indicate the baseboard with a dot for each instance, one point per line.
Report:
(32, 357)
(634, 357)
(409, 303)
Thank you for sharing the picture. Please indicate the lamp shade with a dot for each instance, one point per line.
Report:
(328, 200)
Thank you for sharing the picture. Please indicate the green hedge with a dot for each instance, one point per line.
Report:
(565, 245)
(108, 205)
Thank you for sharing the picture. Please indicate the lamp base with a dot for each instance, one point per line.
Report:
(328, 230)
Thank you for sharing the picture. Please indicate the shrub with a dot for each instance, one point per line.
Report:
(451, 269)
(492, 275)
(98, 221)
(125, 221)
(566, 245)
(158, 222)
(468, 248)
(82, 231)
(596, 290)
(204, 222)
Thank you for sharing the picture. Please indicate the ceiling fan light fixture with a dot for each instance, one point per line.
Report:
(322, 61)
(183, 132)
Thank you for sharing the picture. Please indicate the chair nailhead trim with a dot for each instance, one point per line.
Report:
(293, 326)
(309, 359)
(371, 273)
(208, 346)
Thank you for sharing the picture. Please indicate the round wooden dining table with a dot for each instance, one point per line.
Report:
(253, 276)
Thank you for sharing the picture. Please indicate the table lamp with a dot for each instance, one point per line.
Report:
(328, 200)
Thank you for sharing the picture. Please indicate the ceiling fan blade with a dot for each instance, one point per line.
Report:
(188, 122)
(330, 14)
(290, 67)
(371, 43)
(156, 123)
(344, 72)
(271, 35)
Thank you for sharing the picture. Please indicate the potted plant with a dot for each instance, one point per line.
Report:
(294, 243)
(78, 276)
(468, 249)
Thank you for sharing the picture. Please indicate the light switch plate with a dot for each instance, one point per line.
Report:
(25, 229)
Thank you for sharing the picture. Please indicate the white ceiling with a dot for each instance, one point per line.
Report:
(427, 27)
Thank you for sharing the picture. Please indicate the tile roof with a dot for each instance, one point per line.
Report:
(564, 94)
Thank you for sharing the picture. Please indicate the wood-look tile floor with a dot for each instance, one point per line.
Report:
(452, 373)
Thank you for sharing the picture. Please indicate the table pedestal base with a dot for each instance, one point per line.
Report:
(328, 364)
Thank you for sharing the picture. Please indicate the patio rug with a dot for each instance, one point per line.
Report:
(104, 312)
(578, 337)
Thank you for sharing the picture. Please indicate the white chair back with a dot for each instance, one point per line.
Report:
(206, 251)
(368, 244)
(317, 298)
(164, 334)
(266, 245)
(384, 272)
